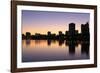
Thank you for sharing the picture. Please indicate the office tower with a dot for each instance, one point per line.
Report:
(28, 35)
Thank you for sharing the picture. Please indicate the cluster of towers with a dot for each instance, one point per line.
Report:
(72, 34)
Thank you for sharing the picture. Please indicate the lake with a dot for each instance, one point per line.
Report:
(54, 50)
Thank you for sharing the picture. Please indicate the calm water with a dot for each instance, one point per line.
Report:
(51, 50)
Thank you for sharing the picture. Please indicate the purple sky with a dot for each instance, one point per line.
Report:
(43, 21)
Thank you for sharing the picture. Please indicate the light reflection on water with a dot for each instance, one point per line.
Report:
(53, 50)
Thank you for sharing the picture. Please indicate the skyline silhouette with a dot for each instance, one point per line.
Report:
(71, 34)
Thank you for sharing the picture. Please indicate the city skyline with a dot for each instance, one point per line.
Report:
(70, 35)
(43, 21)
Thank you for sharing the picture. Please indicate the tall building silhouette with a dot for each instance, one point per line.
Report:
(85, 31)
(85, 28)
(28, 35)
(71, 31)
(49, 33)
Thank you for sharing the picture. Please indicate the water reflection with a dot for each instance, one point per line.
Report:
(52, 50)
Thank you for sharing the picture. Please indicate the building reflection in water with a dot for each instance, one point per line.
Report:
(67, 50)
(84, 45)
(85, 48)
(28, 42)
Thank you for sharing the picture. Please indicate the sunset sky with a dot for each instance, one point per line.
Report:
(44, 21)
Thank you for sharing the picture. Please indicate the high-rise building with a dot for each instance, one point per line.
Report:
(85, 31)
(71, 29)
(49, 33)
(28, 35)
(85, 28)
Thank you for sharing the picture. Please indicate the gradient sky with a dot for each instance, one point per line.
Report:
(44, 21)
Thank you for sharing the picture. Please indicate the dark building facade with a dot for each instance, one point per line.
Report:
(85, 34)
(28, 35)
(49, 33)
(71, 31)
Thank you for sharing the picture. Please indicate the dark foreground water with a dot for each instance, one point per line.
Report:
(53, 50)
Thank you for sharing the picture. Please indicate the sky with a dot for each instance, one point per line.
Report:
(44, 21)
